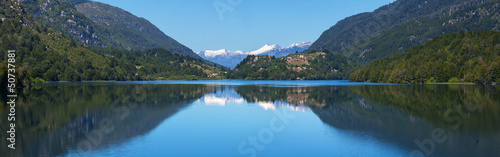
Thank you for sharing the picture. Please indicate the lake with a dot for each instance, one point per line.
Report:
(254, 118)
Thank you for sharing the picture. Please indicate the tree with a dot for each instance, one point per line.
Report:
(70, 75)
(50, 75)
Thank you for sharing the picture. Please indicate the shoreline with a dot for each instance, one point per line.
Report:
(447, 83)
(437, 83)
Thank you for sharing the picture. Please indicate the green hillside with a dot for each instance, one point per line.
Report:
(43, 54)
(98, 24)
(298, 66)
(393, 28)
(129, 30)
(485, 16)
(458, 57)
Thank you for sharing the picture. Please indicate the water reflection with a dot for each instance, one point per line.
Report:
(56, 118)
(67, 119)
(230, 96)
(467, 115)
(222, 98)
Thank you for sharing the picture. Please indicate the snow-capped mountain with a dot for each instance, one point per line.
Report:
(232, 58)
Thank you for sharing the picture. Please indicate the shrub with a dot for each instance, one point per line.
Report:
(37, 81)
(453, 80)
(430, 80)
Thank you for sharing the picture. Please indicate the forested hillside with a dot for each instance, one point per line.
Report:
(97, 24)
(393, 28)
(485, 16)
(128, 30)
(298, 66)
(458, 57)
(45, 55)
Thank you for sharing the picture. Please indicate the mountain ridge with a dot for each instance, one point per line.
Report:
(118, 21)
(97, 24)
(356, 35)
(45, 55)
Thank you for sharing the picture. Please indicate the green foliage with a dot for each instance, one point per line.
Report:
(398, 26)
(97, 24)
(429, 80)
(313, 66)
(62, 16)
(51, 75)
(76, 2)
(453, 80)
(471, 57)
(43, 53)
(37, 81)
(421, 30)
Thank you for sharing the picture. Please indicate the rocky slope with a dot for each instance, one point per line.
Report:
(98, 24)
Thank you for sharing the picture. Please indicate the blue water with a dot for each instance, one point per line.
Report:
(218, 128)
(256, 118)
(245, 82)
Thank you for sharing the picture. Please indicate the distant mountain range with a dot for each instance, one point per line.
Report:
(232, 58)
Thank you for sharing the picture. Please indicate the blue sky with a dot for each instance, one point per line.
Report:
(247, 24)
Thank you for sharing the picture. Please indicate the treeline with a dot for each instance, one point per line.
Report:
(153, 64)
(458, 57)
(299, 66)
(44, 55)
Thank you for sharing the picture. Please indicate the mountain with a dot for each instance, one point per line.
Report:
(42, 54)
(62, 16)
(393, 28)
(295, 66)
(458, 57)
(232, 58)
(98, 24)
(129, 30)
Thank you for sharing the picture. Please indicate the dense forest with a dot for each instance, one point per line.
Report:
(485, 17)
(458, 57)
(392, 29)
(298, 66)
(403, 24)
(45, 55)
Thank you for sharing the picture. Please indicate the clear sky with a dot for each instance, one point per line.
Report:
(245, 24)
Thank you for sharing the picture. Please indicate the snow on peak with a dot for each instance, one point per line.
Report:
(264, 49)
(301, 44)
(214, 53)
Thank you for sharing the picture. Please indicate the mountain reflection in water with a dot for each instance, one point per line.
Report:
(76, 118)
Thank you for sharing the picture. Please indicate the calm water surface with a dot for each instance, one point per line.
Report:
(255, 118)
